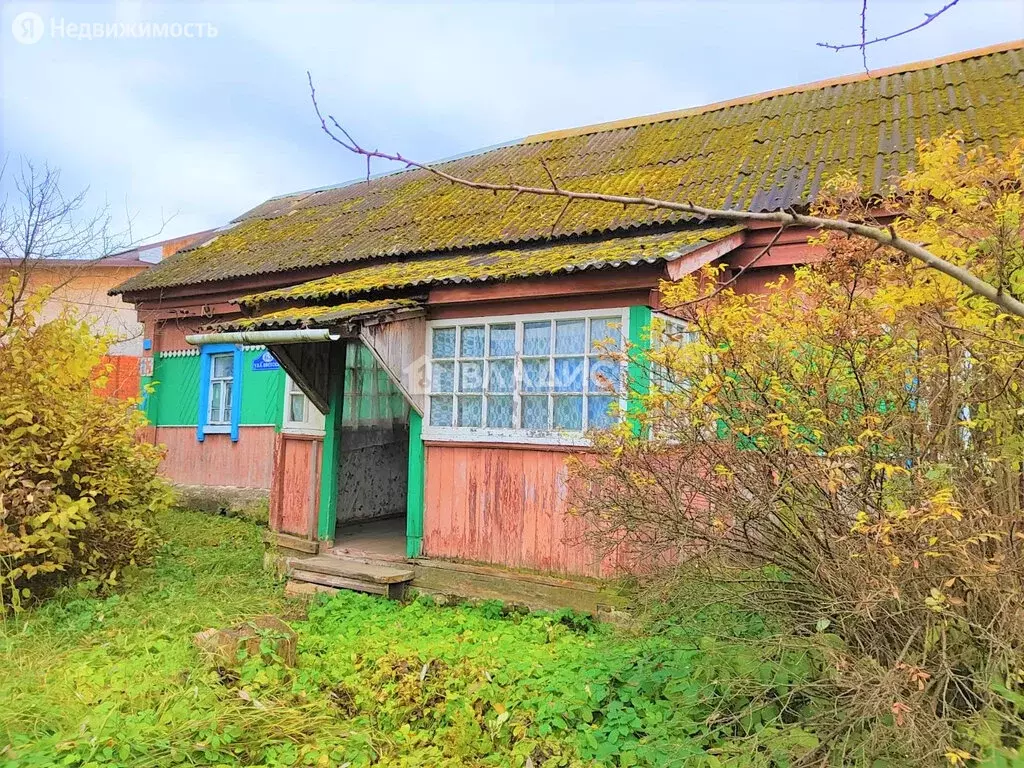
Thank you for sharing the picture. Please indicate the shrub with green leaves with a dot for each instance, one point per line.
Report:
(77, 489)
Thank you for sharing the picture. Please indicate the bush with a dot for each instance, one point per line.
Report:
(845, 453)
(77, 490)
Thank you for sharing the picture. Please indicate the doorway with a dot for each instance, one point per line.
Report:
(373, 461)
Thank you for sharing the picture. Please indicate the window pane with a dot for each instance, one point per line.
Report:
(598, 412)
(471, 377)
(441, 411)
(503, 341)
(537, 338)
(501, 376)
(297, 407)
(215, 401)
(569, 336)
(227, 400)
(605, 335)
(499, 411)
(568, 374)
(442, 377)
(569, 412)
(535, 412)
(470, 411)
(535, 375)
(472, 341)
(222, 365)
(605, 375)
(444, 342)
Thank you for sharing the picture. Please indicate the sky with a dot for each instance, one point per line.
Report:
(183, 133)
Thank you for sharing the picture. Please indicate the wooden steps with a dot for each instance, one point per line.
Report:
(354, 574)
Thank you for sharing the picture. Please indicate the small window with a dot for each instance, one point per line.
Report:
(222, 379)
(669, 331)
(220, 382)
(300, 415)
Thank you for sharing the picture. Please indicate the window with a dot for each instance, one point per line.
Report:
(666, 331)
(300, 415)
(222, 377)
(220, 380)
(370, 397)
(536, 376)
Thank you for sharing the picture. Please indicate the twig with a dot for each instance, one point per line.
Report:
(864, 34)
(928, 19)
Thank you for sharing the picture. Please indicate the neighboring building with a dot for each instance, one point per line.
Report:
(84, 287)
(453, 340)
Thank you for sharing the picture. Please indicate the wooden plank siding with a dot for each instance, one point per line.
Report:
(295, 493)
(508, 506)
(217, 461)
(401, 345)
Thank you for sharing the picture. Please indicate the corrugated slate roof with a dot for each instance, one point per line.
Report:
(315, 317)
(501, 264)
(760, 153)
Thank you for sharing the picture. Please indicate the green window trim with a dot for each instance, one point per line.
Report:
(417, 476)
(638, 374)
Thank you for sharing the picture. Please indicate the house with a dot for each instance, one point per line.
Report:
(84, 288)
(446, 348)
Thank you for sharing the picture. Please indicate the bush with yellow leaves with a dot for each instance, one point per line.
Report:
(844, 453)
(77, 490)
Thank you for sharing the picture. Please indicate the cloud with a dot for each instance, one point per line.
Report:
(207, 128)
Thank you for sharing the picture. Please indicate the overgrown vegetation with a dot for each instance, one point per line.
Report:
(844, 454)
(77, 490)
(103, 681)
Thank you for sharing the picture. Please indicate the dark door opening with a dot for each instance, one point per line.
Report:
(373, 457)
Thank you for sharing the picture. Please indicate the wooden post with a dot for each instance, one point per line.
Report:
(638, 374)
(414, 502)
(328, 513)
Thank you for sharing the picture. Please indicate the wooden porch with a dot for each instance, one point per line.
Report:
(370, 558)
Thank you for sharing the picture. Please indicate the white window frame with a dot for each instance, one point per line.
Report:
(674, 326)
(518, 435)
(312, 422)
(211, 426)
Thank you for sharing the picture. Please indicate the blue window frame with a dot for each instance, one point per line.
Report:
(220, 390)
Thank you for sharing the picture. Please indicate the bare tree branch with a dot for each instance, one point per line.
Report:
(864, 42)
(39, 225)
(882, 236)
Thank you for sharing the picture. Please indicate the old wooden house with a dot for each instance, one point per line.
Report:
(446, 349)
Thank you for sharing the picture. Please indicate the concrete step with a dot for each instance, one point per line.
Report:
(340, 573)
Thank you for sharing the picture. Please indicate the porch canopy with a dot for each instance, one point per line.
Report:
(296, 337)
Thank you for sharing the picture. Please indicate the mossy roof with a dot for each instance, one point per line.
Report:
(760, 153)
(316, 316)
(500, 264)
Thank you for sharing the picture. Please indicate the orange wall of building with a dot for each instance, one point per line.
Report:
(84, 291)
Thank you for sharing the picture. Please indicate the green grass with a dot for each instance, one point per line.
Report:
(103, 681)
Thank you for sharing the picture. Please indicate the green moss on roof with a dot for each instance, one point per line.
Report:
(766, 153)
(315, 316)
(503, 264)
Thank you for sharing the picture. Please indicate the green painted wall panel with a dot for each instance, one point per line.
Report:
(417, 476)
(175, 402)
(638, 372)
(176, 399)
(262, 393)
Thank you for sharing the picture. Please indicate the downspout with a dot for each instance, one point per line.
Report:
(296, 336)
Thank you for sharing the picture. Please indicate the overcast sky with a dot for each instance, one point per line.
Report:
(201, 129)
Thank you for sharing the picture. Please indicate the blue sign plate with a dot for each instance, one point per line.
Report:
(266, 362)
